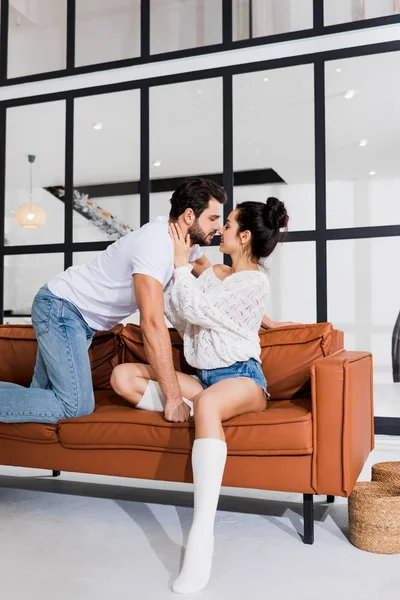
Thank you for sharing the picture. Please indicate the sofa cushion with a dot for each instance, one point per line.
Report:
(37, 433)
(105, 353)
(133, 350)
(18, 353)
(18, 348)
(283, 429)
(287, 354)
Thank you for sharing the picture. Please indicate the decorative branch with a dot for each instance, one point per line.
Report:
(101, 218)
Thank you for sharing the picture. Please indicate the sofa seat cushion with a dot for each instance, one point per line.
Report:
(285, 428)
(36, 433)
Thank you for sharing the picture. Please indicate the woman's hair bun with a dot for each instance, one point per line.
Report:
(274, 214)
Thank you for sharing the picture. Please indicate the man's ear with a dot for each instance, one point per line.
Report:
(188, 216)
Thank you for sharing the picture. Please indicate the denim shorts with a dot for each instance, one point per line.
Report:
(250, 369)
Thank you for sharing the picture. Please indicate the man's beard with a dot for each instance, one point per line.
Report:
(197, 235)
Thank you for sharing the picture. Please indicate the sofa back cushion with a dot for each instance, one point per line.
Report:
(18, 349)
(287, 354)
(105, 353)
(133, 349)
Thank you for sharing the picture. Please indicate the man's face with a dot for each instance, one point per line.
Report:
(207, 225)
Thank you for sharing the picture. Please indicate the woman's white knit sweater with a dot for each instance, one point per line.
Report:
(217, 319)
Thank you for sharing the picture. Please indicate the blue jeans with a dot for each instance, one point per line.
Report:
(62, 386)
(250, 369)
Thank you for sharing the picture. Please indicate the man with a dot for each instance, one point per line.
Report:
(129, 275)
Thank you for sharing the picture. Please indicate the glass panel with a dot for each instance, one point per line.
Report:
(345, 11)
(37, 130)
(24, 275)
(363, 141)
(186, 130)
(106, 30)
(106, 166)
(255, 18)
(160, 204)
(369, 310)
(37, 37)
(176, 25)
(291, 269)
(213, 254)
(273, 140)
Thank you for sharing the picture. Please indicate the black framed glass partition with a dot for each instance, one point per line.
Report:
(362, 194)
(320, 131)
(45, 38)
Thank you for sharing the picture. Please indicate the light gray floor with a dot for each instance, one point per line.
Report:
(83, 537)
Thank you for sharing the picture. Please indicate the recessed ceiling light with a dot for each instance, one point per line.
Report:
(97, 126)
(157, 163)
(349, 94)
(265, 78)
(363, 143)
(338, 70)
(372, 173)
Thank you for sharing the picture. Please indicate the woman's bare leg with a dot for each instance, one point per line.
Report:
(219, 402)
(225, 400)
(130, 381)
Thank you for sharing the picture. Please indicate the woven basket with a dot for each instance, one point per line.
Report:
(374, 517)
(387, 472)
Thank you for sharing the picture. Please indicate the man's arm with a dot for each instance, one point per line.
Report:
(157, 344)
(200, 265)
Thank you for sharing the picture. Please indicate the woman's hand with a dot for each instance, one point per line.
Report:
(181, 245)
(268, 323)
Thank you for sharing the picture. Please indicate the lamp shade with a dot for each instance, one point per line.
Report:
(30, 216)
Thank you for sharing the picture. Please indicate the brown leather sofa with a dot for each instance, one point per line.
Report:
(313, 438)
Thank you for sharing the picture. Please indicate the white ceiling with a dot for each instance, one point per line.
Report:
(273, 127)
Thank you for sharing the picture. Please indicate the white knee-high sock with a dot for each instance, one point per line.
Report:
(208, 463)
(153, 398)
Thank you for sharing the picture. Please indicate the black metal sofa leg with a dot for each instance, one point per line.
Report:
(56, 473)
(308, 515)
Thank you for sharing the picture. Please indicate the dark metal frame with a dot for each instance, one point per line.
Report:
(321, 235)
(318, 28)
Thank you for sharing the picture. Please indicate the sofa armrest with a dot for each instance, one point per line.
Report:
(343, 420)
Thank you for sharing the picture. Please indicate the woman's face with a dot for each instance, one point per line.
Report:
(230, 241)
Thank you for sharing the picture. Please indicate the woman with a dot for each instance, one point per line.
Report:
(218, 316)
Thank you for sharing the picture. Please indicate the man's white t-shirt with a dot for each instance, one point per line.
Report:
(102, 289)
